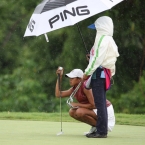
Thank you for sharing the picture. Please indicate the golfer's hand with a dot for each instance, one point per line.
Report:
(75, 105)
(85, 77)
(59, 72)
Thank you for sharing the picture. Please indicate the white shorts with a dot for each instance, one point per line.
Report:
(111, 117)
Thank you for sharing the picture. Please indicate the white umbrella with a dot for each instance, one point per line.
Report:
(50, 15)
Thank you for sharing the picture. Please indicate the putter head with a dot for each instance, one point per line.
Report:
(71, 99)
(59, 133)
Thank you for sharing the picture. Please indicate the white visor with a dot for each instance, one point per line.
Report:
(75, 73)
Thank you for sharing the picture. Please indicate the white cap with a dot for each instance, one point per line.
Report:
(75, 73)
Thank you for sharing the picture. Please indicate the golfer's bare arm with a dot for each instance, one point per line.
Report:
(90, 97)
(65, 93)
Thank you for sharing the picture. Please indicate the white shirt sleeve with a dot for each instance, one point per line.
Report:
(98, 57)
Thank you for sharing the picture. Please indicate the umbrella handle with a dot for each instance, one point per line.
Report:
(46, 37)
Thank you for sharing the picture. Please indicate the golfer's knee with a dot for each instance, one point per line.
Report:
(80, 112)
(71, 112)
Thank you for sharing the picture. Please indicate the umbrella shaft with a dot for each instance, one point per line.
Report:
(82, 38)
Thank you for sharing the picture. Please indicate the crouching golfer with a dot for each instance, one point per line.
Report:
(84, 109)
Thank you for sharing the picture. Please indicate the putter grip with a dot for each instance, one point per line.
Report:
(59, 81)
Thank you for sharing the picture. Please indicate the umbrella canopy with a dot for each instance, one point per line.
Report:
(50, 15)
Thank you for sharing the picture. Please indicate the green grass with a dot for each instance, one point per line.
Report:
(18, 128)
(122, 119)
(25, 132)
(130, 119)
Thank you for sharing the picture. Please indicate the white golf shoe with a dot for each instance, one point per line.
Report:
(93, 129)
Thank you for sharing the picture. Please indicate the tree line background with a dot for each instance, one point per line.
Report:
(28, 65)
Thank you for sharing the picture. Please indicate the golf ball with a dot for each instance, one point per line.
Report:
(60, 68)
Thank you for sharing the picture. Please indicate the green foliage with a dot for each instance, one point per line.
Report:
(133, 102)
(21, 94)
(28, 65)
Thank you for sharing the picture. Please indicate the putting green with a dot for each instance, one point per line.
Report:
(15, 132)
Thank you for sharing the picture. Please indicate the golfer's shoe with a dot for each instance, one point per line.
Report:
(96, 135)
(93, 129)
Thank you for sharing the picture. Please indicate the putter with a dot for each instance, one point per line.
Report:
(60, 68)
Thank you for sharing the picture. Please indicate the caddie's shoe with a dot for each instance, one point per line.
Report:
(96, 135)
